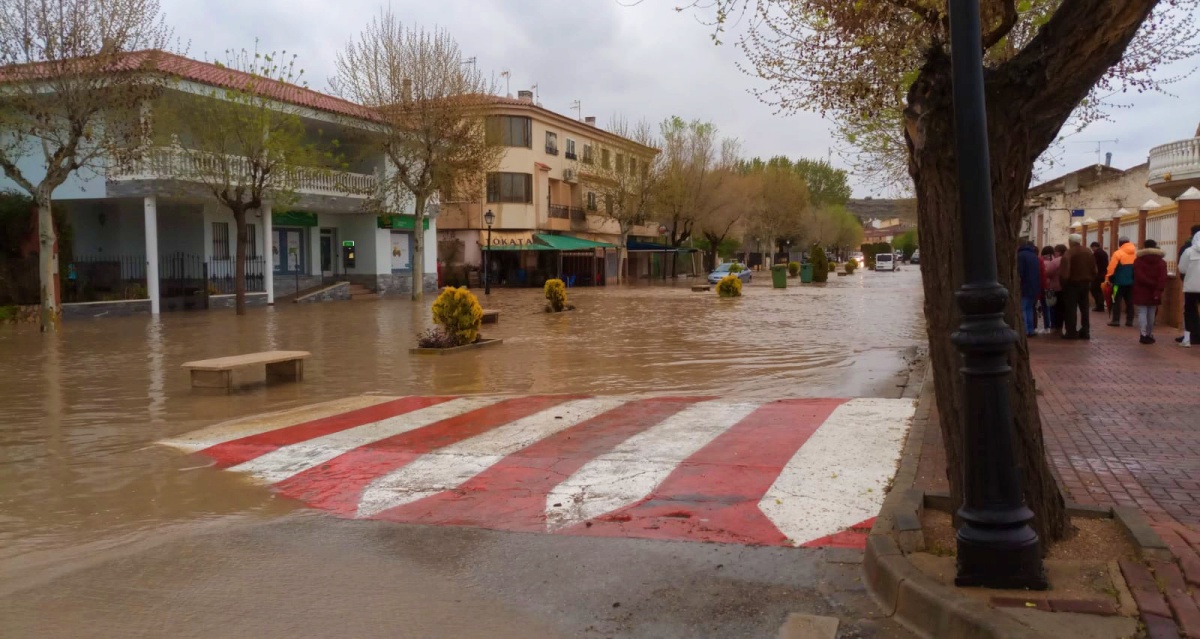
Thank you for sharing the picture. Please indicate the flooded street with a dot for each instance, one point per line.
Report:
(81, 411)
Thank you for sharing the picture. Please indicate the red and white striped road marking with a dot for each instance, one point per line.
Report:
(790, 472)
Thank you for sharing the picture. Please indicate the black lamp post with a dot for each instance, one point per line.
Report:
(488, 218)
(996, 546)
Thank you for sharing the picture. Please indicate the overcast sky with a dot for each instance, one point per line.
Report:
(644, 61)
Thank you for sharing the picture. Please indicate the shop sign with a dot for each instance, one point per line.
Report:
(507, 238)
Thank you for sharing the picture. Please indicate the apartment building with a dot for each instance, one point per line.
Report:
(546, 199)
(148, 237)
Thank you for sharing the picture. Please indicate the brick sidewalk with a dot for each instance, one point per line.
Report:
(1122, 420)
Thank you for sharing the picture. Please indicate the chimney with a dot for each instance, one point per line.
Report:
(590, 120)
(1108, 159)
(525, 96)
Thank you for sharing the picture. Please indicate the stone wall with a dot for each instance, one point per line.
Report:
(339, 291)
(286, 284)
(228, 301)
(117, 308)
(31, 314)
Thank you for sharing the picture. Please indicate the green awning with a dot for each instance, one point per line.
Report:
(519, 247)
(294, 218)
(400, 222)
(569, 243)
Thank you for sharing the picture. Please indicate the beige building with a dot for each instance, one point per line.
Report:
(1087, 197)
(545, 197)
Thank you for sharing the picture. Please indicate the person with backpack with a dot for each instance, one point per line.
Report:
(1149, 282)
(1120, 274)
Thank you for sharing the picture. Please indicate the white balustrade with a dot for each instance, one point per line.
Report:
(1174, 158)
(190, 165)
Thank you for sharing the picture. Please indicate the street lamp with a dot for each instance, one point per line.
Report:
(488, 218)
(996, 546)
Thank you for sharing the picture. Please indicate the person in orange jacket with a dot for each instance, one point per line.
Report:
(1120, 273)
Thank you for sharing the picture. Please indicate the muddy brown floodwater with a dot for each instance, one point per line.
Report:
(80, 411)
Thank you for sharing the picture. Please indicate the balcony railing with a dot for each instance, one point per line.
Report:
(191, 165)
(570, 155)
(1174, 160)
(578, 214)
(552, 150)
(558, 211)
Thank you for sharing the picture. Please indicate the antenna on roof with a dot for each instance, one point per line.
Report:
(507, 75)
(536, 96)
(470, 61)
(1099, 147)
(578, 106)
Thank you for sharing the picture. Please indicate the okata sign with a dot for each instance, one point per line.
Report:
(507, 238)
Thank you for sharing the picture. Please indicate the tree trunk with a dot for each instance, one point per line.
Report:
(51, 291)
(929, 133)
(239, 267)
(418, 258)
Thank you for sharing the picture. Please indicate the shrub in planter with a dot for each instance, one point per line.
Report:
(793, 268)
(851, 265)
(458, 312)
(556, 296)
(736, 268)
(820, 264)
(729, 286)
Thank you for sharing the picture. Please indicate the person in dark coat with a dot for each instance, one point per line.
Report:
(1077, 273)
(1149, 282)
(1029, 270)
(1098, 285)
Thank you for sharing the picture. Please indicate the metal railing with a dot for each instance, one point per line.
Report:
(560, 211)
(191, 165)
(571, 155)
(221, 280)
(1164, 229)
(578, 214)
(552, 150)
(1175, 157)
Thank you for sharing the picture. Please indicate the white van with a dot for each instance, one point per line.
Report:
(885, 262)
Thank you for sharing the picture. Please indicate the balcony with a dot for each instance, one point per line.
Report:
(1174, 167)
(177, 163)
(560, 212)
(570, 155)
(551, 150)
(578, 214)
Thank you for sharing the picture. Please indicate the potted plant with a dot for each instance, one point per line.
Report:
(556, 296)
(458, 316)
(730, 286)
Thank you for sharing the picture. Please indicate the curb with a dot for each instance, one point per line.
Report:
(923, 605)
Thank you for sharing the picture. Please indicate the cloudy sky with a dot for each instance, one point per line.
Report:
(643, 61)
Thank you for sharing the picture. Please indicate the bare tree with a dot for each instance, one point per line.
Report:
(73, 77)
(431, 104)
(739, 200)
(243, 145)
(624, 175)
(694, 166)
(783, 203)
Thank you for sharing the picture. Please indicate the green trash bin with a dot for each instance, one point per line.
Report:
(779, 275)
(806, 273)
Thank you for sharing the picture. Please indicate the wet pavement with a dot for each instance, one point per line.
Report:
(85, 494)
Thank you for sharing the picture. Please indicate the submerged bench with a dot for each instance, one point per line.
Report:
(490, 317)
(218, 373)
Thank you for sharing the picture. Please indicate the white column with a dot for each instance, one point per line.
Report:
(314, 248)
(269, 261)
(150, 214)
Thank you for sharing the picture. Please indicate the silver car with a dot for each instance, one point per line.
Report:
(724, 269)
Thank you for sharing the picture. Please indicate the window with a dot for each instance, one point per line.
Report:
(510, 130)
(587, 154)
(510, 187)
(608, 204)
(620, 163)
(551, 143)
(591, 200)
(251, 241)
(220, 240)
(604, 159)
(570, 155)
(632, 165)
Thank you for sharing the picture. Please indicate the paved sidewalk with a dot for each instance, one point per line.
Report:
(1122, 420)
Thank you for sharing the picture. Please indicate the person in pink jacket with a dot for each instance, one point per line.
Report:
(1053, 290)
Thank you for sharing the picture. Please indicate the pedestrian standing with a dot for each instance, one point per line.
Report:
(1077, 274)
(1149, 282)
(1029, 270)
(1182, 249)
(1120, 273)
(1101, 258)
(1052, 290)
(1189, 262)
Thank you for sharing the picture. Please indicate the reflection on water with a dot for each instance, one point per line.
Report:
(79, 411)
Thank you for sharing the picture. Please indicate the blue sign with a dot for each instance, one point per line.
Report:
(1076, 212)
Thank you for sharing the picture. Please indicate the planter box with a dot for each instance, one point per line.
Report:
(701, 289)
(457, 349)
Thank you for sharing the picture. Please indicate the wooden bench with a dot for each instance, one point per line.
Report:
(218, 373)
(491, 317)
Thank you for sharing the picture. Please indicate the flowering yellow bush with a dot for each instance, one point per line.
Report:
(556, 295)
(730, 286)
(458, 312)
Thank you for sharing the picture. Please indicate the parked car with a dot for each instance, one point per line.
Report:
(916, 257)
(885, 262)
(725, 269)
